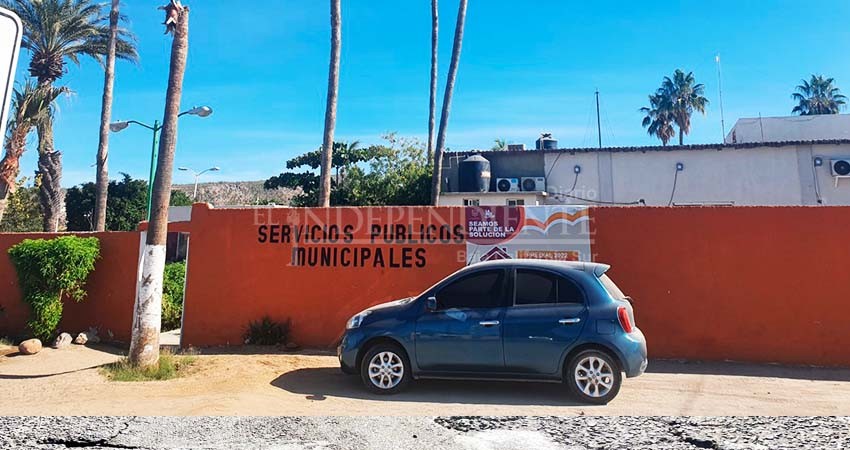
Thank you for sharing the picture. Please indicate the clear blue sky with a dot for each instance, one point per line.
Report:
(526, 67)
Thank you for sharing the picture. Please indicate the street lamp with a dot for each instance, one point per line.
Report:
(121, 125)
(197, 176)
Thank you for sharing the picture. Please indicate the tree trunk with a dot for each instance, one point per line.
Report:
(330, 110)
(432, 107)
(147, 317)
(10, 165)
(50, 193)
(102, 183)
(436, 182)
(681, 137)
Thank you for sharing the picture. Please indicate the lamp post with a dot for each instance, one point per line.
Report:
(115, 127)
(197, 176)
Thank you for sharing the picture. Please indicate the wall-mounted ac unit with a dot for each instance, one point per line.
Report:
(507, 184)
(534, 184)
(840, 167)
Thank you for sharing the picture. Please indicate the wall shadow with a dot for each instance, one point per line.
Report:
(729, 368)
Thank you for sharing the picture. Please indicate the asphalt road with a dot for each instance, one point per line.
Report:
(474, 433)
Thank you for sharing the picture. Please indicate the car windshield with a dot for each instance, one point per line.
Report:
(612, 288)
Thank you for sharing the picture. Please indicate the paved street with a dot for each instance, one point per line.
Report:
(543, 433)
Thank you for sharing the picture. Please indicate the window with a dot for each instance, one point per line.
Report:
(471, 202)
(569, 291)
(479, 290)
(535, 288)
(516, 202)
(612, 288)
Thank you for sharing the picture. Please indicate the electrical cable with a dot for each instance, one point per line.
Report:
(600, 202)
(675, 182)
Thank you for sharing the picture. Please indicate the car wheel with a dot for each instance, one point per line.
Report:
(593, 377)
(385, 369)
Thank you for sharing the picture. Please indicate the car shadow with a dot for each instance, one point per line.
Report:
(730, 368)
(321, 383)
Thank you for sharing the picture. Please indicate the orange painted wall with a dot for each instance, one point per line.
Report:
(111, 288)
(747, 284)
(233, 278)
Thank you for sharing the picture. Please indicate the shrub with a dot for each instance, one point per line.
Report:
(172, 295)
(170, 366)
(267, 332)
(48, 271)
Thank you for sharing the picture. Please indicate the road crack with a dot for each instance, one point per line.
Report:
(92, 443)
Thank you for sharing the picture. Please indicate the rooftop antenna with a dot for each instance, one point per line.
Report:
(598, 121)
(720, 91)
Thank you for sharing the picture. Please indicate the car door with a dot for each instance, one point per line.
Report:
(464, 333)
(547, 316)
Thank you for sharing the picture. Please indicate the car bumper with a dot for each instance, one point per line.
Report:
(347, 351)
(633, 349)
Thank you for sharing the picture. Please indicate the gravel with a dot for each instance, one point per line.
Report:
(598, 433)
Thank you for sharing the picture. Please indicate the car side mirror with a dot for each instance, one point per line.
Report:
(431, 303)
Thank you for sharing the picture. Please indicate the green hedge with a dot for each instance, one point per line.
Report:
(172, 295)
(49, 270)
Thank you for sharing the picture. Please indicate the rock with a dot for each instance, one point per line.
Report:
(292, 346)
(62, 341)
(30, 347)
(81, 339)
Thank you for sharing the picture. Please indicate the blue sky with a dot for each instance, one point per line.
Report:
(526, 67)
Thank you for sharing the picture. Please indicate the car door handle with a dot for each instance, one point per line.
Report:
(489, 323)
(571, 321)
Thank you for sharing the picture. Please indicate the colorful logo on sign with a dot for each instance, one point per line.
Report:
(488, 225)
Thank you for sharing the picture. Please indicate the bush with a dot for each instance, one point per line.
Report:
(169, 367)
(172, 295)
(267, 332)
(48, 271)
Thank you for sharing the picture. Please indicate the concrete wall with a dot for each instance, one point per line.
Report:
(790, 128)
(493, 198)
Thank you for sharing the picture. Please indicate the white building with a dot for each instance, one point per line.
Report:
(827, 127)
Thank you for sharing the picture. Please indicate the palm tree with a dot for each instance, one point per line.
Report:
(818, 95)
(436, 183)
(684, 97)
(30, 106)
(499, 145)
(147, 312)
(102, 179)
(330, 109)
(56, 31)
(432, 106)
(659, 118)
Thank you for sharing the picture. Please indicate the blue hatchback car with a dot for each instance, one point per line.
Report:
(504, 320)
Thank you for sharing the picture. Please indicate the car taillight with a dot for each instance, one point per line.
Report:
(625, 322)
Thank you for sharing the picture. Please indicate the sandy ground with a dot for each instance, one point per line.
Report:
(67, 382)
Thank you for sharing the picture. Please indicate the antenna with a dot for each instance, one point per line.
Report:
(720, 91)
(598, 121)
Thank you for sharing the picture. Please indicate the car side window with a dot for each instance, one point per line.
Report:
(535, 288)
(479, 290)
(569, 291)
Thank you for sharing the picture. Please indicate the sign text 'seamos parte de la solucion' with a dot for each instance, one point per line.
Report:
(337, 246)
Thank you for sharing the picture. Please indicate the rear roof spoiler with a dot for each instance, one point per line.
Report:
(600, 269)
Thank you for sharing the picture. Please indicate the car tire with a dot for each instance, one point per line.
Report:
(385, 369)
(593, 376)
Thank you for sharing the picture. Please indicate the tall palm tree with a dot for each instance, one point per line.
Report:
(818, 95)
(30, 106)
(659, 118)
(436, 183)
(432, 106)
(56, 31)
(147, 312)
(684, 96)
(330, 110)
(102, 178)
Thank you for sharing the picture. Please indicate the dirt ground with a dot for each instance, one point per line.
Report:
(67, 382)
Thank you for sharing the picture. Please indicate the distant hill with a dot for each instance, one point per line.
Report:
(238, 193)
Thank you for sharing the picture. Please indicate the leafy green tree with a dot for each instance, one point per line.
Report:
(394, 174)
(499, 145)
(23, 214)
(674, 103)
(658, 119)
(818, 95)
(126, 205)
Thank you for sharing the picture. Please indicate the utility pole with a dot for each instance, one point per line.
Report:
(720, 91)
(598, 121)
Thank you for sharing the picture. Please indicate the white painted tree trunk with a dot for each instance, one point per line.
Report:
(147, 312)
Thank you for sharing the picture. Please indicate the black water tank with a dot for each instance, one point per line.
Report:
(547, 142)
(474, 174)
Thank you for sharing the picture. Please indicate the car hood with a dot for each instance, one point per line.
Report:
(396, 304)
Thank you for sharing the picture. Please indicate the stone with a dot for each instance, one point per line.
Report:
(292, 346)
(81, 339)
(62, 341)
(30, 347)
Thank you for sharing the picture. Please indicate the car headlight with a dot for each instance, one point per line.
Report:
(355, 321)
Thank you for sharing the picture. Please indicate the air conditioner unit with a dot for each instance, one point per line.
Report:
(840, 167)
(534, 184)
(507, 184)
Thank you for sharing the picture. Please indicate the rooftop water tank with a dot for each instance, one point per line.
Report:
(547, 142)
(474, 174)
